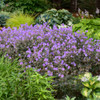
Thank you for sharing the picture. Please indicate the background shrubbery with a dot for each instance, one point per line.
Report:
(28, 6)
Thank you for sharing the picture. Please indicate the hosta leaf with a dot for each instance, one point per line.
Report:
(92, 81)
(73, 98)
(86, 84)
(84, 92)
(96, 94)
(89, 92)
(97, 85)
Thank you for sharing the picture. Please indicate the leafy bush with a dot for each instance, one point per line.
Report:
(17, 83)
(3, 17)
(91, 27)
(57, 17)
(2, 5)
(17, 20)
(57, 52)
(91, 88)
(28, 6)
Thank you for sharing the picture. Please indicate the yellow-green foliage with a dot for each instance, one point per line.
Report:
(18, 19)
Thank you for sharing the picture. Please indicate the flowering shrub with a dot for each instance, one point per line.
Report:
(54, 51)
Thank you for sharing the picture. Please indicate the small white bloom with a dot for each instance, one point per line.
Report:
(97, 11)
(86, 12)
(87, 15)
(77, 15)
(79, 10)
(98, 78)
(62, 26)
(70, 23)
(91, 16)
(82, 13)
(84, 79)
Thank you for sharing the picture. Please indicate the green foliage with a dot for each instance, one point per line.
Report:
(17, 83)
(91, 27)
(66, 3)
(3, 17)
(57, 17)
(28, 6)
(68, 98)
(17, 20)
(76, 20)
(2, 5)
(91, 85)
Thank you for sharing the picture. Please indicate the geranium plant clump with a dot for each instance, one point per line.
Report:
(55, 51)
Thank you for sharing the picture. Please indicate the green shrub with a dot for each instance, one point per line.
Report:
(2, 5)
(17, 20)
(3, 17)
(57, 17)
(28, 6)
(17, 83)
(91, 27)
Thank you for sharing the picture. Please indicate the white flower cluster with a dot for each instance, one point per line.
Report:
(62, 26)
(97, 11)
(84, 79)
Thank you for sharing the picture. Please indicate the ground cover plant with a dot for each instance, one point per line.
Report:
(57, 52)
(56, 17)
(91, 27)
(18, 83)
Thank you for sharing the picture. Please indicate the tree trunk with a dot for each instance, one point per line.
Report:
(73, 6)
